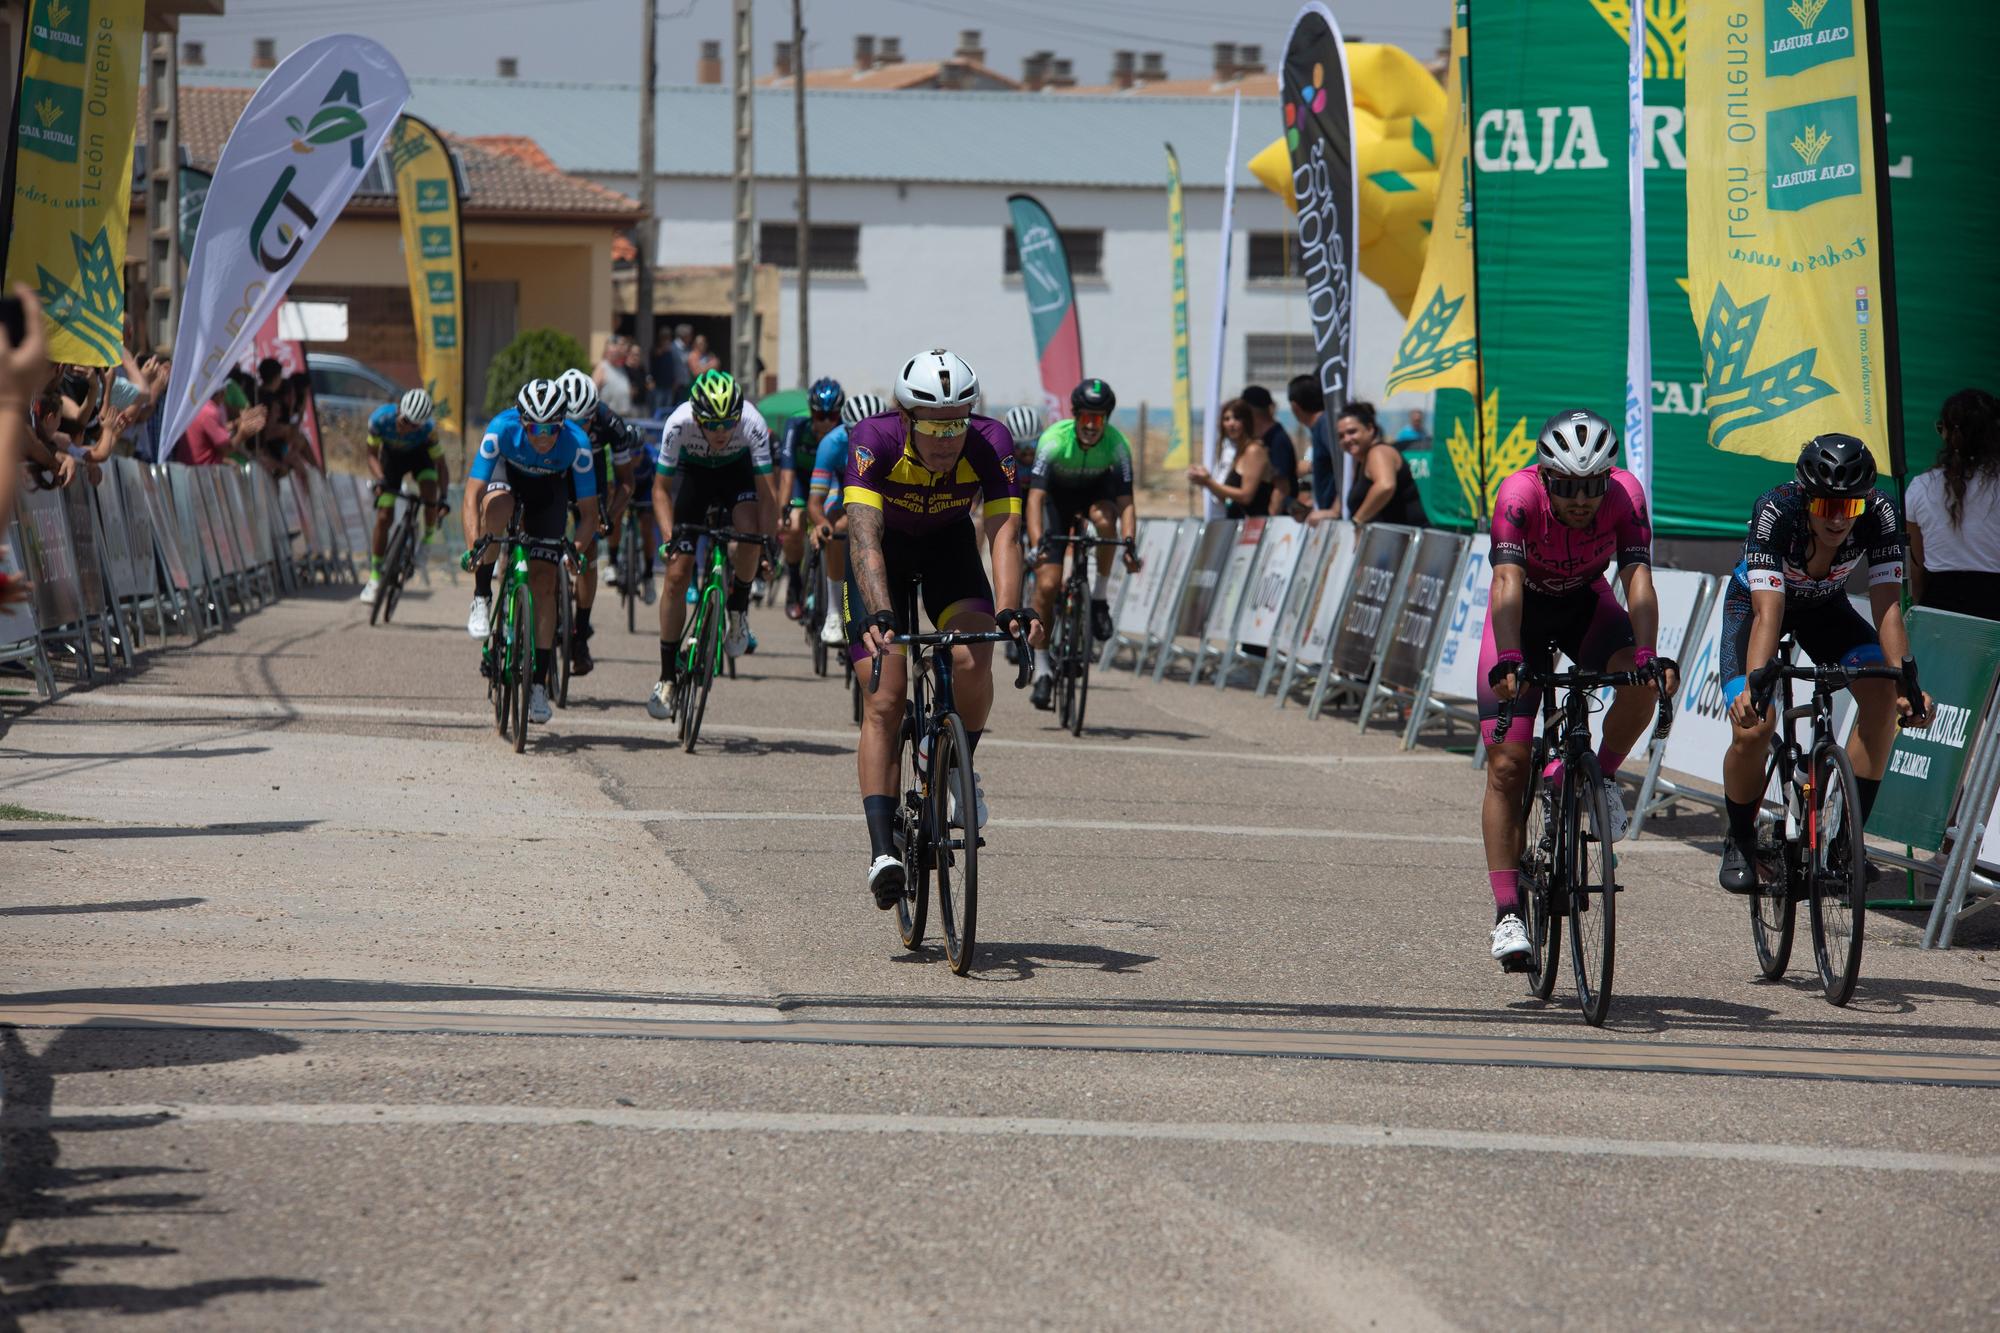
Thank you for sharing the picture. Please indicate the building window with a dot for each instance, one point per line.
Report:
(1274, 257)
(1085, 247)
(1271, 359)
(836, 246)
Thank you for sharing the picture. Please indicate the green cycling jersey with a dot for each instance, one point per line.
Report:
(1065, 462)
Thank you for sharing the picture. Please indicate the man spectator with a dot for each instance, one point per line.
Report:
(1414, 435)
(669, 369)
(24, 370)
(1277, 441)
(218, 432)
(1309, 408)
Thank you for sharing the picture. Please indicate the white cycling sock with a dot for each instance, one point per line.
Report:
(1044, 664)
(1097, 586)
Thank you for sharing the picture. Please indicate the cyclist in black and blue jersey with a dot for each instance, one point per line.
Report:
(615, 451)
(826, 514)
(796, 455)
(403, 442)
(1805, 538)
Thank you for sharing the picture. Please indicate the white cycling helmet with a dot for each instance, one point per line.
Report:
(1577, 444)
(540, 401)
(860, 405)
(1024, 423)
(414, 407)
(937, 378)
(579, 393)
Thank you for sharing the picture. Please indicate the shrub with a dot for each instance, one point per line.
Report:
(536, 354)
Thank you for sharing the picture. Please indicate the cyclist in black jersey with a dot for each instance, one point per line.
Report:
(1805, 538)
(614, 445)
(795, 468)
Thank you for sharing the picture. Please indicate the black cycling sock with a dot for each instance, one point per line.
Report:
(972, 742)
(739, 595)
(881, 813)
(668, 663)
(482, 581)
(583, 622)
(1743, 823)
(1869, 788)
(544, 659)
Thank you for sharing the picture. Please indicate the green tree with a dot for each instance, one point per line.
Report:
(536, 354)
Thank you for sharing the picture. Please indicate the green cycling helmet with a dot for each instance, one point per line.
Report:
(717, 399)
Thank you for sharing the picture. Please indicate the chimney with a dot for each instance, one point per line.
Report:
(892, 51)
(1152, 67)
(1249, 60)
(508, 67)
(781, 59)
(708, 69)
(864, 52)
(1062, 74)
(264, 53)
(1035, 70)
(193, 56)
(969, 49)
(1124, 69)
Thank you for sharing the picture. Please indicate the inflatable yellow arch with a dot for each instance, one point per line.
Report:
(1400, 128)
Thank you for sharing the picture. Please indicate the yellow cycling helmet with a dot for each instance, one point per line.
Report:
(717, 399)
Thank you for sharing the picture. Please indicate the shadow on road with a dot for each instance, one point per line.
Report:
(115, 832)
(88, 909)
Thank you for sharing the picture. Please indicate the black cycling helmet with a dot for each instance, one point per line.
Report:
(1836, 467)
(1093, 396)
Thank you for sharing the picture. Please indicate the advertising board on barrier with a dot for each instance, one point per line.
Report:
(1160, 625)
(1677, 593)
(1235, 581)
(77, 512)
(129, 578)
(1306, 583)
(1960, 655)
(166, 530)
(1326, 611)
(1382, 550)
(1457, 673)
(1209, 558)
(43, 523)
(1284, 542)
(1156, 545)
(1418, 618)
(17, 623)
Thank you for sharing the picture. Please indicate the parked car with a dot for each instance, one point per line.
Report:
(345, 391)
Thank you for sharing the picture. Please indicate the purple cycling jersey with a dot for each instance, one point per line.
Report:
(1557, 557)
(884, 472)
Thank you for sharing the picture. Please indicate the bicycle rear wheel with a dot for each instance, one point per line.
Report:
(1082, 665)
(1773, 908)
(565, 626)
(955, 842)
(1538, 912)
(707, 647)
(400, 565)
(914, 834)
(1836, 871)
(521, 620)
(1593, 896)
(1064, 648)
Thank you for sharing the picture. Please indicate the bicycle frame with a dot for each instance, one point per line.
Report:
(714, 580)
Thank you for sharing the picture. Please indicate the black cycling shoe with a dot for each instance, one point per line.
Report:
(1739, 873)
(1100, 621)
(580, 661)
(1044, 695)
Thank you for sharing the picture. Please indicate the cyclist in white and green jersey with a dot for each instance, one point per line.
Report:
(1083, 468)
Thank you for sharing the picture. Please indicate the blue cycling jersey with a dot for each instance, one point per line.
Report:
(830, 465)
(507, 441)
(386, 432)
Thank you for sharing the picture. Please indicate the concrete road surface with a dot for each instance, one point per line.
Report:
(328, 1011)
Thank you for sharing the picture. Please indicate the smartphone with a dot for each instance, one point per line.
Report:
(15, 319)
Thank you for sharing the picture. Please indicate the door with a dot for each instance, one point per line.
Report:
(491, 311)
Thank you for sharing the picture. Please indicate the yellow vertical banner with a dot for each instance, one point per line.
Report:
(1177, 451)
(1440, 345)
(427, 200)
(73, 177)
(1784, 271)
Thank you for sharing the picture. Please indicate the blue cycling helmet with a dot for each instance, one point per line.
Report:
(825, 396)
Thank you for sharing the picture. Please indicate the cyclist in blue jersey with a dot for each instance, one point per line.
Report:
(614, 450)
(796, 455)
(402, 442)
(826, 516)
(533, 458)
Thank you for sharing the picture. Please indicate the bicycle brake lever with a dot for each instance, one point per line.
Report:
(875, 674)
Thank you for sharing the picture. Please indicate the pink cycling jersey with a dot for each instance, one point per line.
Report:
(1557, 557)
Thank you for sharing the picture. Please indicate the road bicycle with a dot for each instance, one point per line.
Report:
(934, 773)
(399, 558)
(1073, 644)
(1814, 842)
(507, 659)
(818, 605)
(1567, 868)
(701, 649)
(631, 565)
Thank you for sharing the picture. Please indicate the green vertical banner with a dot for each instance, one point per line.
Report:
(1051, 302)
(1177, 450)
(1960, 656)
(1547, 100)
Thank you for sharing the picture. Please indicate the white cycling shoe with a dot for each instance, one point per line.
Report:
(660, 703)
(479, 623)
(978, 802)
(1510, 938)
(737, 641)
(1614, 808)
(370, 591)
(886, 880)
(538, 704)
(830, 632)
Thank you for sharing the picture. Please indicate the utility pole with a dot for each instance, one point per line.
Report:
(648, 229)
(804, 256)
(163, 192)
(744, 320)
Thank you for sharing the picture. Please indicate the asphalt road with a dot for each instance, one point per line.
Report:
(329, 1011)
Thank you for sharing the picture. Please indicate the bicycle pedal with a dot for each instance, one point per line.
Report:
(1518, 963)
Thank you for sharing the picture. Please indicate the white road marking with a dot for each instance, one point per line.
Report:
(806, 1122)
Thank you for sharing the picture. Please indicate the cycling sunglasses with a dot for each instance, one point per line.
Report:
(1090, 418)
(941, 430)
(718, 423)
(1571, 488)
(826, 416)
(1827, 506)
(542, 430)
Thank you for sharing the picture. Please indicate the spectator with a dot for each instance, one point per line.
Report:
(218, 432)
(1382, 487)
(669, 371)
(24, 370)
(1247, 490)
(1278, 446)
(1954, 511)
(683, 347)
(700, 359)
(1309, 407)
(614, 386)
(1413, 436)
(635, 370)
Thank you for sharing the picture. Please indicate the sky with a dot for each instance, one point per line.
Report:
(597, 40)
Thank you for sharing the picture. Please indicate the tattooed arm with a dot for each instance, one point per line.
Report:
(870, 567)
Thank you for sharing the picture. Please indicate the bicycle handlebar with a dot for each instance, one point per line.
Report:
(1580, 679)
(1054, 539)
(952, 638)
(442, 505)
(1763, 682)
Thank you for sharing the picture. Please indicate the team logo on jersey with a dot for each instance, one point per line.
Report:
(489, 448)
(863, 458)
(1007, 466)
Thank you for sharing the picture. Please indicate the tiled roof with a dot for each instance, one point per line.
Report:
(505, 175)
(1250, 85)
(898, 75)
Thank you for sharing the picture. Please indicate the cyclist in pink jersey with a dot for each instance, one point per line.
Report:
(1556, 525)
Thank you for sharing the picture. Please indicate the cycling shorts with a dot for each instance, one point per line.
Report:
(943, 565)
(543, 499)
(1829, 630)
(398, 465)
(703, 488)
(1068, 506)
(1586, 624)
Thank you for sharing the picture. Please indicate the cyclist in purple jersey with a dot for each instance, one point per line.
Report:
(913, 478)
(1556, 525)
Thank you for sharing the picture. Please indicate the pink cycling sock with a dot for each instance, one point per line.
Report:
(1609, 759)
(1553, 771)
(1506, 889)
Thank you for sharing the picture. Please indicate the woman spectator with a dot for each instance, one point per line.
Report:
(1954, 511)
(1382, 487)
(614, 386)
(24, 370)
(635, 371)
(700, 358)
(1247, 490)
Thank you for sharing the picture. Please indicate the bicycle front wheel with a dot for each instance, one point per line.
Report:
(1837, 871)
(954, 822)
(521, 622)
(401, 564)
(1082, 657)
(1773, 909)
(1538, 909)
(565, 627)
(914, 909)
(1593, 888)
(708, 646)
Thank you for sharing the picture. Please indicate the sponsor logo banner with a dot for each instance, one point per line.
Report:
(1319, 132)
(1045, 280)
